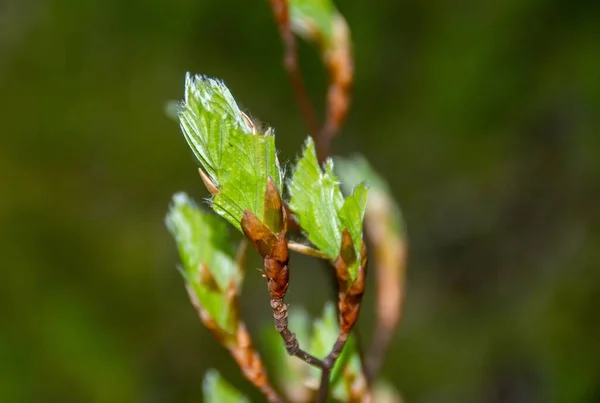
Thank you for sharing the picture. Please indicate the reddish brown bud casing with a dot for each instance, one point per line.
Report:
(350, 293)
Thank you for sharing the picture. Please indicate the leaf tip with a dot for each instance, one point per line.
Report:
(210, 185)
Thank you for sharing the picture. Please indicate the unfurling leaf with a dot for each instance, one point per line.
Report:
(236, 161)
(353, 171)
(387, 232)
(321, 210)
(258, 233)
(274, 214)
(216, 390)
(207, 257)
(319, 22)
(314, 20)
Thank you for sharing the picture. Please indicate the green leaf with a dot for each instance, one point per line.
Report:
(172, 109)
(249, 161)
(216, 390)
(236, 159)
(352, 213)
(313, 19)
(202, 239)
(320, 208)
(354, 170)
(384, 391)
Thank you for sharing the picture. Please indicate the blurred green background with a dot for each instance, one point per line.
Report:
(483, 116)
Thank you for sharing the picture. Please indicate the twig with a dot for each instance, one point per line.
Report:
(274, 250)
(349, 301)
(329, 362)
(290, 341)
(282, 17)
(339, 61)
(277, 274)
(391, 253)
(251, 365)
(239, 345)
(306, 250)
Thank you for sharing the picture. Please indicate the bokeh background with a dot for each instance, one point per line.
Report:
(483, 116)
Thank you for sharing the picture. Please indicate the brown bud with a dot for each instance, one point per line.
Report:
(357, 289)
(348, 314)
(276, 269)
(350, 296)
(280, 249)
(346, 258)
(231, 298)
(210, 186)
(258, 233)
(277, 277)
(291, 224)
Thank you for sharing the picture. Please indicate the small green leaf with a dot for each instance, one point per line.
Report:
(216, 390)
(248, 161)
(202, 239)
(325, 332)
(207, 116)
(354, 170)
(384, 391)
(236, 159)
(320, 208)
(352, 214)
(172, 109)
(313, 19)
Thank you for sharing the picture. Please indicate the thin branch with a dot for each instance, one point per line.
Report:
(239, 346)
(274, 250)
(290, 341)
(251, 365)
(329, 362)
(277, 274)
(391, 255)
(282, 17)
(349, 302)
(340, 64)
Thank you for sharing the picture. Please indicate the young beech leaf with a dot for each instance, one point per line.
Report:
(216, 390)
(203, 244)
(355, 170)
(248, 162)
(313, 19)
(208, 114)
(320, 208)
(234, 158)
